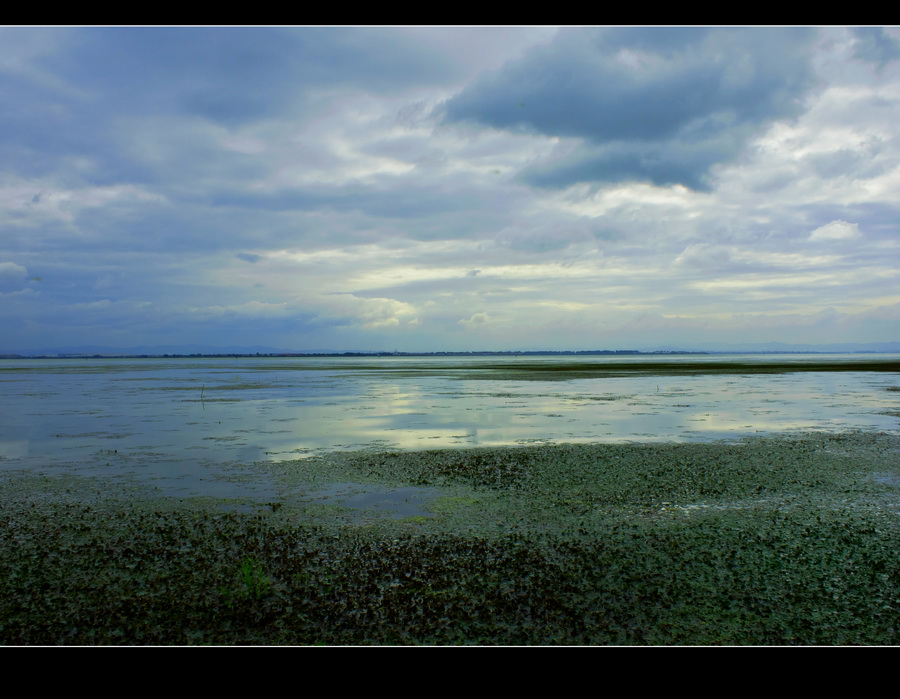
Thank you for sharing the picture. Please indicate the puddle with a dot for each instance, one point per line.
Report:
(398, 503)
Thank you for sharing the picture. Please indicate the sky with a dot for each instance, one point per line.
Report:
(448, 188)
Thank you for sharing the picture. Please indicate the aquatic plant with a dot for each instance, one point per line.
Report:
(768, 542)
(254, 584)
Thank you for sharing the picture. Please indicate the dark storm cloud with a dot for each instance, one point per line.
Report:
(655, 104)
(248, 257)
(95, 77)
(876, 46)
(662, 164)
(232, 75)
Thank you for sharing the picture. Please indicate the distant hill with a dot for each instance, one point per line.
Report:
(718, 347)
(154, 350)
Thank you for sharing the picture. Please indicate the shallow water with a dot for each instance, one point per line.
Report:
(184, 423)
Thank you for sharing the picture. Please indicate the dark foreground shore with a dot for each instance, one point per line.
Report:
(775, 541)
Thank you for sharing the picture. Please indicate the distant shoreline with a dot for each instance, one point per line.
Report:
(478, 353)
(485, 353)
(489, 365)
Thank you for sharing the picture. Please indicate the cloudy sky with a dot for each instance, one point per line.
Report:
(426, 188)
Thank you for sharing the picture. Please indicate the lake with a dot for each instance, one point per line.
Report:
(190, 425)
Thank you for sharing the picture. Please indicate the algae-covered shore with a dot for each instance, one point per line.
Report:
(769, 541)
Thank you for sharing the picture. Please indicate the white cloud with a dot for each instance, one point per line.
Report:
(836, 230)
(475, 319)
(367, 313)
(11, 273)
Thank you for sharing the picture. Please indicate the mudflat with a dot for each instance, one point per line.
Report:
(765, 541)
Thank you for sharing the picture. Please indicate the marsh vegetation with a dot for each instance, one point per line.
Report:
(766, 541)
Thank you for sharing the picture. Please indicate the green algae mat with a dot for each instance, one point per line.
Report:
(770, 541)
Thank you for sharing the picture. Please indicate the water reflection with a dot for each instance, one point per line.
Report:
(187, 419)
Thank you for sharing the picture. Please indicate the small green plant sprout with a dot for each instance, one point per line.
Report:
(255, 584)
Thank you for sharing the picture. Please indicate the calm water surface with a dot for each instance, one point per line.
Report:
(183, 422)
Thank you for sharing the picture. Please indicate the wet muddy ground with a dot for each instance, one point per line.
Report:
(786, 540)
